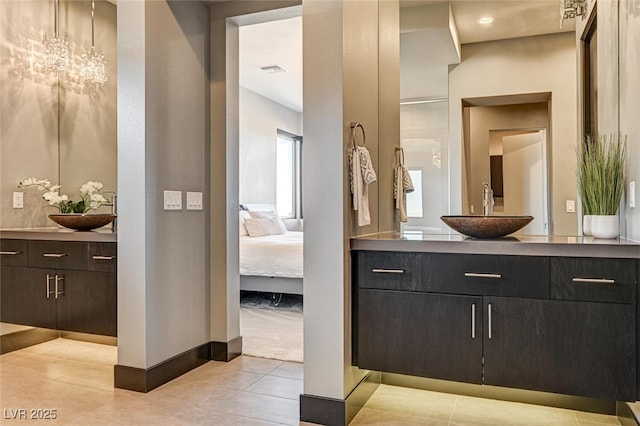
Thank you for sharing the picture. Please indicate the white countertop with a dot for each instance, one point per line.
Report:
(59, 234)
(528, 245)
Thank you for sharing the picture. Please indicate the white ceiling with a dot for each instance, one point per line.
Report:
(280, 42)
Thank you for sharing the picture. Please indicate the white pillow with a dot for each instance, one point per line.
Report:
(243, 216)
(270, 215)
(261, 227)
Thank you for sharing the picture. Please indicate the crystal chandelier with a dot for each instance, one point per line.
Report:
(92, 62)
(55, 50)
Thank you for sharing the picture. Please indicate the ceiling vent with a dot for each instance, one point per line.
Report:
(272, 69)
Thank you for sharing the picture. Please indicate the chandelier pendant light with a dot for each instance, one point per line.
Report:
(55, 50)
(92, 62)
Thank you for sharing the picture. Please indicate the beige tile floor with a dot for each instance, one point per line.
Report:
(76, 379)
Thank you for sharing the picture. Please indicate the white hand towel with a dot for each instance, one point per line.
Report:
(361, 175)
(402, 184)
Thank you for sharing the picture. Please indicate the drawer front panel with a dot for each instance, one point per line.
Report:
(495, 275)
(591, 279)
(58, 254)
(388, 270)
(13, 252)
(102, 257)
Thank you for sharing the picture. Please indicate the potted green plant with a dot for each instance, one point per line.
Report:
(601, 174)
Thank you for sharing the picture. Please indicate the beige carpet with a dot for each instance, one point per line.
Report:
(271, 333)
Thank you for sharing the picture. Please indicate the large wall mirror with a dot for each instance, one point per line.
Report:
(475, 73)
(53, 126)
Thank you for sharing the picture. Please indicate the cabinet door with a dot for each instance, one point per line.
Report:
(24, 296)
(420, 334)
(576, 348)
(88, 304)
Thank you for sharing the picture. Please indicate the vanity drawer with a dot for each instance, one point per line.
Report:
(593, 279)
(13, 252)
(58, 254)
(388, 270)
(102, 257)
(486, 275)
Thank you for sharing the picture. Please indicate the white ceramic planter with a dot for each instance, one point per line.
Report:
(605, 226)
(586, 225)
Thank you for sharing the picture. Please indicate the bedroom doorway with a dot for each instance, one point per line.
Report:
(269, 188)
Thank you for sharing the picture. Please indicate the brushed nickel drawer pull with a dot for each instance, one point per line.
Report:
(103, 257)
(388, 271)
(593, 280)
(56, 255)
(10, 253)
(481, 275)
(473, 320)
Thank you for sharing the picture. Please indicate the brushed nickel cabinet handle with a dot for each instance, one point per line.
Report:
(57, 255)
(9, 253)
(59, 280)
(49, 292)
(481, 275)
(473, 320)
(103, 257)
(593, 280)
(388, 271)
(489, 309)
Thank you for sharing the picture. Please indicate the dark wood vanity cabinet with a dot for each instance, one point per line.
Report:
(61, 285)
(500, 320)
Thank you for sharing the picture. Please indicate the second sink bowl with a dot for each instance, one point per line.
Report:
(486, 226)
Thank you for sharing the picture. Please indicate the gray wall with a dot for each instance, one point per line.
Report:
(163, 138)
(30, 104)
(260, 118)
(351, 73)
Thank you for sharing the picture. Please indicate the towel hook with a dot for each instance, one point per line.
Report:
(354, 127)
(401, 157)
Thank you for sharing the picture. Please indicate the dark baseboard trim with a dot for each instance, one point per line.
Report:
(145, 380)
(226, 351)
(625, 414)
(322, 410)
(338, 412)
(23, 339)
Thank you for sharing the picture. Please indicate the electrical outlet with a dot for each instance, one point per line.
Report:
(18, 200)
(571, 206)
(632, 194)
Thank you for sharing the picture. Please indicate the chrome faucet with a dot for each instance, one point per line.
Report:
(114, 208)
(487, 200)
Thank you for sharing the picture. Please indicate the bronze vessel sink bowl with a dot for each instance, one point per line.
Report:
(486, 226)
(82, 222)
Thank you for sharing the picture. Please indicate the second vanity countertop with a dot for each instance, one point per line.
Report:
(525, 245)
(59, 234)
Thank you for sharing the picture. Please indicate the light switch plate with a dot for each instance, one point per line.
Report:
(632, 194)
(18, 200)
(194, 200)
(571, 206)
(173, 200)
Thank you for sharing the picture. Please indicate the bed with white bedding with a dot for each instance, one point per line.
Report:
(272, 263)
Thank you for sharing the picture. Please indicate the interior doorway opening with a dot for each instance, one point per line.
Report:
(270, 145)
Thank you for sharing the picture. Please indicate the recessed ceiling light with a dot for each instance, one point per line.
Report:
(272, 69)
(486, 20)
